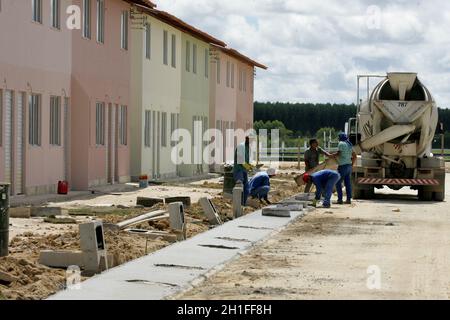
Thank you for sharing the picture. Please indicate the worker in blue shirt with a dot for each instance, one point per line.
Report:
(259, 185)
(324, 180)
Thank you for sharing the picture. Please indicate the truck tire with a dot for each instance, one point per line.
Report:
(357, 193)
(439, 196)
(425, 195)
(369, 193)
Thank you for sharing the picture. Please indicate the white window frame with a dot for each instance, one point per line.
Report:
(123, 125)
(228, 73)
(163, 129)
(55, 14)
(206, 63)
(174, 51)
(148, 41)
(36, 6)
(148, 129)
(100, 119)
(194, 58)
(55, 121)
(166, 47)
(188, 56)
(124, 33)
(218, 70)
(232, 75)
(101, 21)
(87, 19)
(35, 119)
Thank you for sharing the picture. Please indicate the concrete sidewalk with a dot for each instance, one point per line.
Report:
(176, 268)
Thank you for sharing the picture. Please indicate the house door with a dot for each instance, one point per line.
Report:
(8, 140)
(111, 144)
(19, 146)
(156, 144)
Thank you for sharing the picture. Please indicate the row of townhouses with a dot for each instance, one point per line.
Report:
(92, 90)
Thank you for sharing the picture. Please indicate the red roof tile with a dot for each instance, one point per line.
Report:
(239, 56)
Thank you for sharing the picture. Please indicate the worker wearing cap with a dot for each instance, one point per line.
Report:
(242, 166)
(324, 180)
(346, 158)
(259, 185)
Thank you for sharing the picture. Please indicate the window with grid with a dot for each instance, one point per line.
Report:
(100, 124)
(87, 19)
(123, 127)
(55, 121)
(147, 128)
(194, 58)
(164, 129)
(37, 10)
(174, 51)
(148, 41)
(124, 30)
(165, 47)
(101, 21)
(55, 14)
(188, 56)
(34, 120)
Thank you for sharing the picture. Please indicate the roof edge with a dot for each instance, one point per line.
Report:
(239, 56)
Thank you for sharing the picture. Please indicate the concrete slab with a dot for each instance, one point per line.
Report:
(20, 212)
(48, 211)
(175, 268)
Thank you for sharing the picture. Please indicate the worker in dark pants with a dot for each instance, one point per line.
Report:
(259, 185)
(312, 158)
(324, 181)
(242, 167)
(346, 158)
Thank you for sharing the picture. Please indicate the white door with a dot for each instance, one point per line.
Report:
(158, 147)
(19, 146)
(8, 139)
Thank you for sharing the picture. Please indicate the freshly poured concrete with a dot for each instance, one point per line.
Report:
(175, 268)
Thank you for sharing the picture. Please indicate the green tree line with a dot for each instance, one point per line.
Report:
(300, 120)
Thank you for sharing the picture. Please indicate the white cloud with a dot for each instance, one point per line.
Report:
(315, 48)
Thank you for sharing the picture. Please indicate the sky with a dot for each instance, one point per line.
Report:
(315, 48)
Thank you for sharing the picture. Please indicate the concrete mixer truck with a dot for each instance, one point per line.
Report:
(392, 135)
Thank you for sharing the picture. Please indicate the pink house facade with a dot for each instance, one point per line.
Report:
(231, 94)
(64, 94)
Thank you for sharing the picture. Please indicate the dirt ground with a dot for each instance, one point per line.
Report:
(30, 236)
(345, 252)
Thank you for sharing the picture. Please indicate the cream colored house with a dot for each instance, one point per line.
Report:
(170, 90)
(156, 95)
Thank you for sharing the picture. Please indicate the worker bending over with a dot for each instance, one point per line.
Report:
(312, 158)
(259, 185)
(324, 180)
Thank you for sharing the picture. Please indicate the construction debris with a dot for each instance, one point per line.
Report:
(148, 202)
(177, 220)
(185, 200)
(48, 211)
(237, 201)
(152, 216)
(6, 278)
(20, 213)
(274, 211)
(210, 211)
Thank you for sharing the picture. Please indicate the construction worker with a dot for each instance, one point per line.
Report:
(346, 158)
(324, 180)
(259, 185)
(242, 167)
(312, 158)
